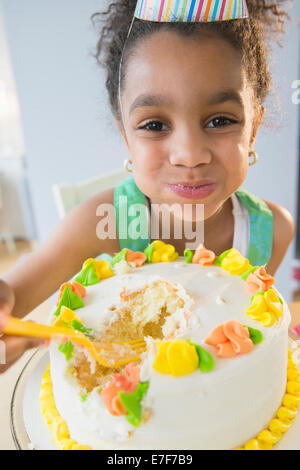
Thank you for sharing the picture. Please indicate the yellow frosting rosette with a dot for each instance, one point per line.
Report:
(258, 307)
(235, 263)
(65, 317)
(273, 302)
(265, 308)
(176, 357)
(162, 252)
(101, 267)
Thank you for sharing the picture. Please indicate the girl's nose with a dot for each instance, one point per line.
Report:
(189, 148)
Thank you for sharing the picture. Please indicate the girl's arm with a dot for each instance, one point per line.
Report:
(283, 234)
(40, 274)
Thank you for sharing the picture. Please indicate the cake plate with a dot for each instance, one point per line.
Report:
(28, 426)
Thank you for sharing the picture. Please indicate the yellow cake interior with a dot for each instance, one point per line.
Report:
(140, 314)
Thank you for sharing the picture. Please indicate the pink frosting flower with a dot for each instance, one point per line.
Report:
(259, 281)
(230, 339)
(136, 257)
(125, 382)
(203, 256)
(75, 287)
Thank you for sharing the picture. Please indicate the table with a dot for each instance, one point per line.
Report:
(9, 378)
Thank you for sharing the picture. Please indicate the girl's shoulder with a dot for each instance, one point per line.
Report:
(81, 226)
(283, 233)
(97, 215)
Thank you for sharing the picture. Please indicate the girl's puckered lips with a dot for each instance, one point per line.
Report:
(193, 189)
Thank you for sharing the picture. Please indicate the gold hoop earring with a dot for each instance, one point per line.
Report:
(255, 157)
(126, 168)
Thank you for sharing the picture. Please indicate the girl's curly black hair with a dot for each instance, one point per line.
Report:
(248, 36)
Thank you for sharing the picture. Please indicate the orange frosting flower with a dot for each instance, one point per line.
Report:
(136, 257)
(230, 339)
(203, 256)
(111, 399)
(77, 288)
(259, 281)
(126, 382)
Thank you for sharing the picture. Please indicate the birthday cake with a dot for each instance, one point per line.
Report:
(214, 371)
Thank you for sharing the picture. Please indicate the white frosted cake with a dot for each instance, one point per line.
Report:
(214, 373)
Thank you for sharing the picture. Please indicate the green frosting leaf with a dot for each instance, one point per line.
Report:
(149, 251)
(87, 276)
(84, 397)
(280, 300)
(67, 349)
(69, 299)
(206, 360)
(220, 258)
(188, 255)
(119, 257)
(246, 274)
(132, 402)
(256, 336)
(77, 325)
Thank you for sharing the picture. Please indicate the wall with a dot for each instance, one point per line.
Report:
(69, 133)
(274, 177)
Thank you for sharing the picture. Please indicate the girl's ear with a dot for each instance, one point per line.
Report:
(256, 123)
(122, 131)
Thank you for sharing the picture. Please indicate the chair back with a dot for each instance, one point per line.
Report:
(68, 195)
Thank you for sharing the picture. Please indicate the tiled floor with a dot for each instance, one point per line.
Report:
(7, 261)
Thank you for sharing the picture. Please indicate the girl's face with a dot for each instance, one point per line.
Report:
(189, 119)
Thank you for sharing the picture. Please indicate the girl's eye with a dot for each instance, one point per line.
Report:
(157, 126)
(220, 121)
(154, 126)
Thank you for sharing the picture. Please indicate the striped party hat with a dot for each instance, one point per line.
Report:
(190, 10)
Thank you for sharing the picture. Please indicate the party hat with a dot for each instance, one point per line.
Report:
(190, 10)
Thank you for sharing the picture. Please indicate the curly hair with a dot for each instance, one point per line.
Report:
(249, 36)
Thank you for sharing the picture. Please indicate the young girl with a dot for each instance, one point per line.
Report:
(188, 105)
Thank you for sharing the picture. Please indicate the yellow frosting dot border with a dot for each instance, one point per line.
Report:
(57, 426)
(270, 436)
(265, 440)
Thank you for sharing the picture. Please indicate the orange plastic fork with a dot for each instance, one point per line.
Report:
(115, 358)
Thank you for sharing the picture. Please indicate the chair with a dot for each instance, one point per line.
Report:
(67, 195)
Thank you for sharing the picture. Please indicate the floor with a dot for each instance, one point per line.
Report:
(7, 261)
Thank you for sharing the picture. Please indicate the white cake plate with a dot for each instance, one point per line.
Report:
(28, 426)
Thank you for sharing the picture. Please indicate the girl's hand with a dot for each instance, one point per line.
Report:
(11, 347)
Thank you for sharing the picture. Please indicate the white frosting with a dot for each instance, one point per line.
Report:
(221, 409)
